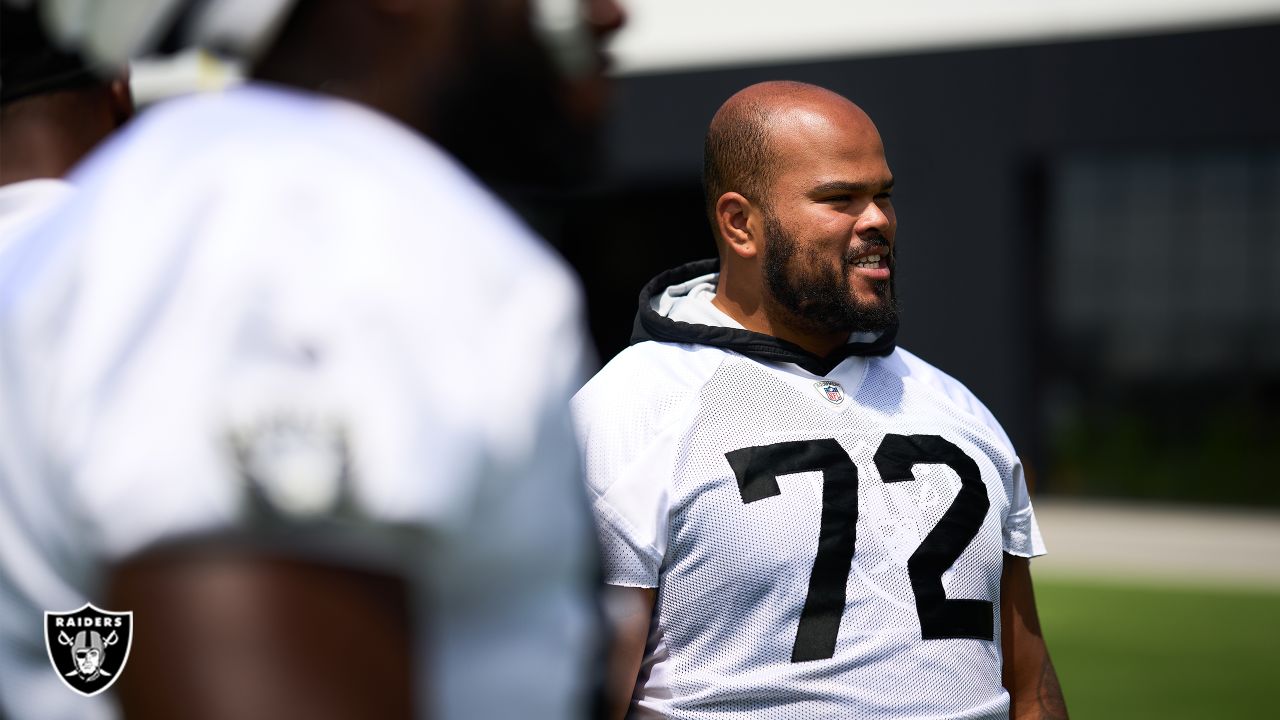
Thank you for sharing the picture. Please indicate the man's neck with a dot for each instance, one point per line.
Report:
(756, 315)
(44, 136)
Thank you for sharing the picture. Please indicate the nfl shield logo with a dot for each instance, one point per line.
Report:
(831, 391)
(88, 647)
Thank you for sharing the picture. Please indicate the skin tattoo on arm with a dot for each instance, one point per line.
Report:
(1049, 693)
(1029, 675)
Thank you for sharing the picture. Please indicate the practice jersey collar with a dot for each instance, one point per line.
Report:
(651, 325)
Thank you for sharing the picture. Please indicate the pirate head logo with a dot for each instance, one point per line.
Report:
(831, 391)
(88, 647)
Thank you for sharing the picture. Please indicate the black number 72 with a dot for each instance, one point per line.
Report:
(758, 468)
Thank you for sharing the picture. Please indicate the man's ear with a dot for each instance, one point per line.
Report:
(121, 99)
(733, 217)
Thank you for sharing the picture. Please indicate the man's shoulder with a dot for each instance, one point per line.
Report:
(22, 204)
(906, 364)
(649, 365)
(649, 379)
(909, 366)
(31, 195)
(256, 136)
(638, 406)
(279, 168)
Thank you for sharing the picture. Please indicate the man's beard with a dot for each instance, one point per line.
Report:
(818, 297)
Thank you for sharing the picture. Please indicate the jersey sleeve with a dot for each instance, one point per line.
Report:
(631, 514)
(628, 423)
(1021, 531)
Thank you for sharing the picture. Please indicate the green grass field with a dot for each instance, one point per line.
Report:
(1140, 651)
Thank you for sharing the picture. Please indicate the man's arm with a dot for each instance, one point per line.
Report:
(629, 610)
(235, 633)
(1028, 674)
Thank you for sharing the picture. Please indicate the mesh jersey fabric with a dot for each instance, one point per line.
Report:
(234, 262)
(733, 570)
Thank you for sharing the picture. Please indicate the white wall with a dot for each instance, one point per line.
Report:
(665, 35)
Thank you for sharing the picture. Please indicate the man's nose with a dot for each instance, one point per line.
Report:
(872, 218)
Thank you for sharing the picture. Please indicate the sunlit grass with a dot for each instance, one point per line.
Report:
(1135, 651)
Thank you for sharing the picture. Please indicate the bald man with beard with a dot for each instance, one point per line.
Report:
(801, 519)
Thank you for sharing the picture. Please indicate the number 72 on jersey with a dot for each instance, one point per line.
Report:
(757, 470)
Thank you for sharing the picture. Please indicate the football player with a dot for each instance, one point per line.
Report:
(256, 377)
(799, 518)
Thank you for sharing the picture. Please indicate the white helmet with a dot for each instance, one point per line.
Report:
(115, 31)
(562, 27)
(112, 32)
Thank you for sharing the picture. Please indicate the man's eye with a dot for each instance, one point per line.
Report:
(884, 196)
(838, 198)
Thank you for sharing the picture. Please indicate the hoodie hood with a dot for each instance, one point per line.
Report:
(653, 323)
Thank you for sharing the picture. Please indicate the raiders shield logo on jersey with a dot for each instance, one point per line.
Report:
(88, 647)
(831, 391)
(295, 465)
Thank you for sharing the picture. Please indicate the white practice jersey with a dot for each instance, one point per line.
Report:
(23, 203)
(827, 541)
(271, 315)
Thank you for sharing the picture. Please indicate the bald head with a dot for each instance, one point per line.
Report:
(747, 141)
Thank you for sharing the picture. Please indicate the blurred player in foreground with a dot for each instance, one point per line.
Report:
(289, 384)
(809, 522)
(53, 110)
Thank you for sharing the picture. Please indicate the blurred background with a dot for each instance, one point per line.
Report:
(1088, 195)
